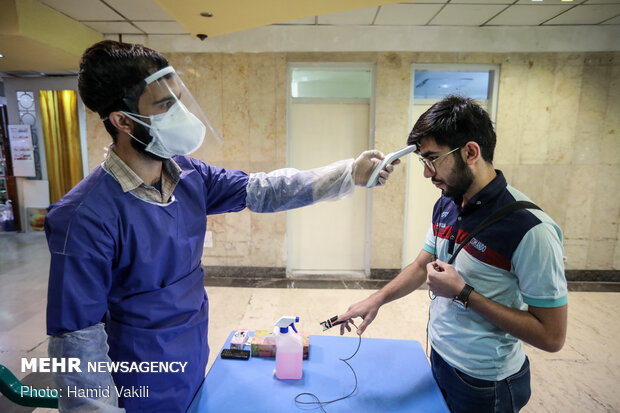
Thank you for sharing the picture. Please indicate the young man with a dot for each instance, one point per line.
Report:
(126, 282)
(506, 285)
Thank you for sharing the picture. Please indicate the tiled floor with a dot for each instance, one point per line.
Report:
(583, 377)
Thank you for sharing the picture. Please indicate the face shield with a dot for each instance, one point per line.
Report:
(174, 119)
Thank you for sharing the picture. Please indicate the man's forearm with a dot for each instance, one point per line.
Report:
(408, 280)
(405, 282)
(542, 328)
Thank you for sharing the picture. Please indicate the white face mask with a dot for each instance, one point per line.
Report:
(175, 132)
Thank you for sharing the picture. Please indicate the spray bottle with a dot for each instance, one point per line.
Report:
(289, 349)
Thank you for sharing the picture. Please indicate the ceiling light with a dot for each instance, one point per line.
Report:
(206, 14)
(1, 55)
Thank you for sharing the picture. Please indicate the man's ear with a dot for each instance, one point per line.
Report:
(472, 152)
(121, 122)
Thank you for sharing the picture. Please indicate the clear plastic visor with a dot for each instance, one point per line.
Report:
(163, 90)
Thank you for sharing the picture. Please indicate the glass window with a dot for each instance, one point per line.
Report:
(331, 83)
(437, 84)
(432, 82)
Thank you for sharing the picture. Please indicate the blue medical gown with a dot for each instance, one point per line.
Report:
(136, 266)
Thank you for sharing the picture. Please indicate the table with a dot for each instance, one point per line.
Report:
(392, 375)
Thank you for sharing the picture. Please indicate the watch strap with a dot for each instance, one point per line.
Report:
(463, 296)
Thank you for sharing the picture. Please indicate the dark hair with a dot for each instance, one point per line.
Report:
(111, 75)
(454, 121)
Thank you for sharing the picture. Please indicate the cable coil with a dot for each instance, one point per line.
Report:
(318, 401)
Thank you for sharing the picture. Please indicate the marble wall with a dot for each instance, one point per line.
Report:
(557, 125)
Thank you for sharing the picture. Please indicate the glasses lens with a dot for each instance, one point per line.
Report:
(428, 164)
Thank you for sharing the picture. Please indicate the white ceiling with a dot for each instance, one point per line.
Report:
(461, 26)
(146, 17)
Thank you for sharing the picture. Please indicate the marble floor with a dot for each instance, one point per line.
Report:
(583, 377)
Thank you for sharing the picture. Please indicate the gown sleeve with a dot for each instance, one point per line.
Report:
(82, 253)
(279, 190)
(225, 189)
(289, 188)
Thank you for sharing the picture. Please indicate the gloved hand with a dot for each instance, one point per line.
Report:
(366, 163)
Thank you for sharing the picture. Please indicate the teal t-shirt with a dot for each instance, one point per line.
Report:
(516, 262)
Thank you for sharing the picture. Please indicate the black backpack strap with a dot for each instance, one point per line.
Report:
(492, 219)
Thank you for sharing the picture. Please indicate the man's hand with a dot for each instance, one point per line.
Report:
(366, 163)
(443, 280)
(366, 309)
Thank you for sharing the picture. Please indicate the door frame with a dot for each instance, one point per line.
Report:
(492, 105)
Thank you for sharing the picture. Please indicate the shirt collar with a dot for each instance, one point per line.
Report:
(490, 191)
(173, 170)
(131, 180)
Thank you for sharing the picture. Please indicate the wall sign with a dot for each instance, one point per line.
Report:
(22, 151)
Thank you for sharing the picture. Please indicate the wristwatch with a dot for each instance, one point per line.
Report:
(462, 300)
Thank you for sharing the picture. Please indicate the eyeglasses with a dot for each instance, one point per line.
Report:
(430, 161)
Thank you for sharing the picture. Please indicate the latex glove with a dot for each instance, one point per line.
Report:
(366, 163)
(89, 345)
(443, 279)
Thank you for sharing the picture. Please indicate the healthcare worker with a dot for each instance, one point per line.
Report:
(126, 282)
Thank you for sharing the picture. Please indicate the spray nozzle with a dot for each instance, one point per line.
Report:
(285, 322)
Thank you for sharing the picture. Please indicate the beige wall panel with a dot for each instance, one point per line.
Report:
(391, 132)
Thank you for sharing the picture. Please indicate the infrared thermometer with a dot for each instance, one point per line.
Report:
(389, 158)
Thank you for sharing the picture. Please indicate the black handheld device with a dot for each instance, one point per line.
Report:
(327, 324)
(235, 354)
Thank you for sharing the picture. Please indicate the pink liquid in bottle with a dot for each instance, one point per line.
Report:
(288, 365)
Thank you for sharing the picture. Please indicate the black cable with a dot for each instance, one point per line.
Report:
(435, 257)
(318, 401)
(428, 322)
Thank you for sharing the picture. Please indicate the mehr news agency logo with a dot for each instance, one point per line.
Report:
(74, 365)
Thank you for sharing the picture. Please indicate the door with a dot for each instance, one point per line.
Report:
(329, 123)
